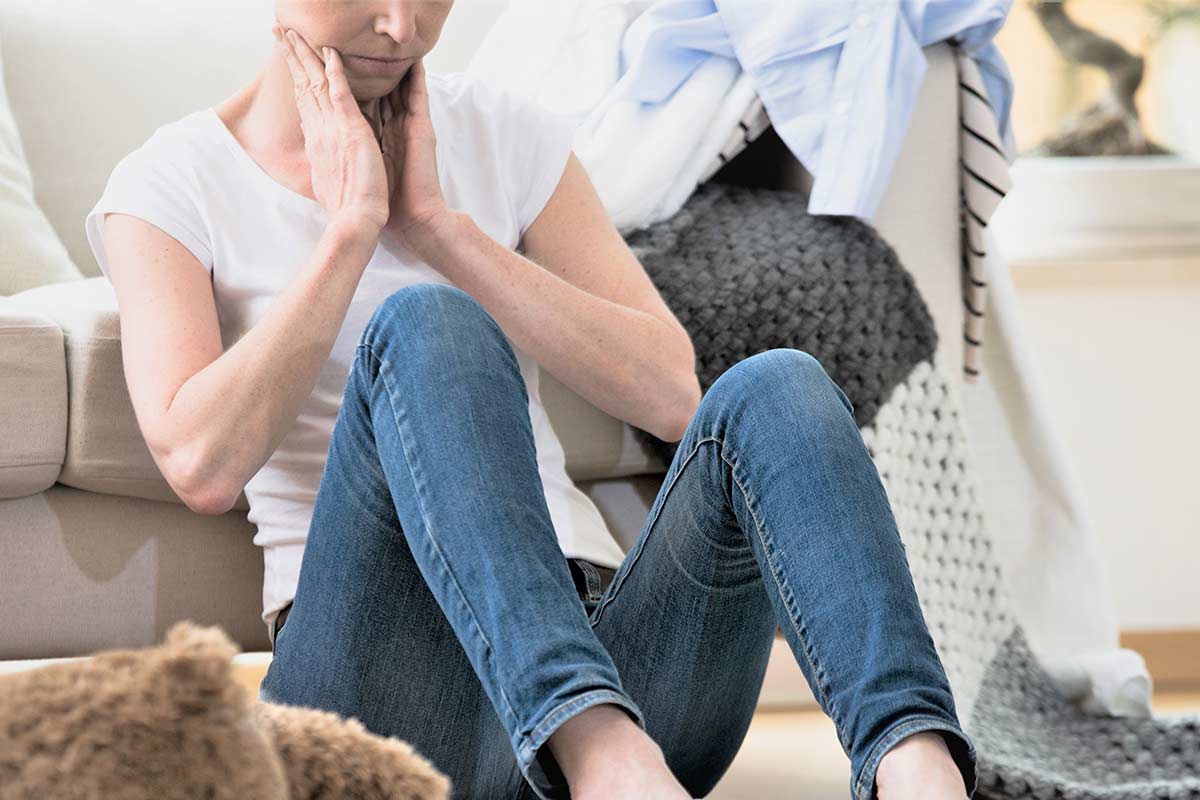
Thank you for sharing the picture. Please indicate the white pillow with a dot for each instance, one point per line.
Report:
(31, 253)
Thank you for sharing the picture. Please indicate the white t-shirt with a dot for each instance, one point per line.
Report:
(499, 159)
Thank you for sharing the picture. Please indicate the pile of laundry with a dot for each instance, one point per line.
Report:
(663, 92)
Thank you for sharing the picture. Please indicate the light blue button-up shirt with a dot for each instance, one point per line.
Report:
(838, 78)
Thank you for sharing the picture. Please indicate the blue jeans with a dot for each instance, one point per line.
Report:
(435, 605)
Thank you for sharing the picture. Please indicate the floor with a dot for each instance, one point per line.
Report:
(796, 755)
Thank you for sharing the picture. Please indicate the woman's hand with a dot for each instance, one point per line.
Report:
(348, 174)
(410, 153)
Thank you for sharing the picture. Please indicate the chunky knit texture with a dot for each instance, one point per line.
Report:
(747, 270)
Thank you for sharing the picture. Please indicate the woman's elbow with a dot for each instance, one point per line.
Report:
(203, 496)
(190, 479)
(683, 410)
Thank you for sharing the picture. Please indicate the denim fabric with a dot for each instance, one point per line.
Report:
(435, 605)
(590, 582)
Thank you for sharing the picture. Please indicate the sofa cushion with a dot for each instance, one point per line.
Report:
(30, 251)
(33, 400)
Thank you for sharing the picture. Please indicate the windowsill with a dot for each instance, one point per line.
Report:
(1100, 208)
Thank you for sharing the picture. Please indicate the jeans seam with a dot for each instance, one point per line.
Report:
(441, 557)
(759, 531)
(632, 558)
(900, 730)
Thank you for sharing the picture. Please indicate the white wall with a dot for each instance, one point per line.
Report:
(468, 23)
(1117, 350)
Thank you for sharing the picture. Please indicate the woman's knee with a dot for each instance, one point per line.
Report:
(431, 321)
(777, 380)
(423, 308)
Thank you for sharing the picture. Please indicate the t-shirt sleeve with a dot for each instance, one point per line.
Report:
(537, 145)
(152, 184)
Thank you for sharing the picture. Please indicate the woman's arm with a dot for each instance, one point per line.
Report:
(237, 410)
(580, 304)
(212, 419)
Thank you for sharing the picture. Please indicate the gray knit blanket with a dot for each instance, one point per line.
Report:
(748, 269)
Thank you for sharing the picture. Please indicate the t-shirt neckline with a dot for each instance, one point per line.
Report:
(240, 152)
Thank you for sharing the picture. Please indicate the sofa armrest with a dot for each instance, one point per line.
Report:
(33, 400)
(105, 449)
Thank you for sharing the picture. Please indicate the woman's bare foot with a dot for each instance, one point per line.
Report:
(919, 767)
(606, 756)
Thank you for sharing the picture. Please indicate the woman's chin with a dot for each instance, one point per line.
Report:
(373, 87)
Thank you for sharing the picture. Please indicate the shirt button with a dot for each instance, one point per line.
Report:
(864, 20)
(842, 107)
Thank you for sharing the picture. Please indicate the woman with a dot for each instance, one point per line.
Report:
(450, 241)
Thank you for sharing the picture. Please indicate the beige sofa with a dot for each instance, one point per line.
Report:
(97, 550)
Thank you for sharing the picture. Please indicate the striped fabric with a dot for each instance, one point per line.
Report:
(983, 181)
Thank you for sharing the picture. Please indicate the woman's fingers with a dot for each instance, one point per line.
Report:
(418, 97)
(392, 128)
(391, 132)
(299, 76)
(399, 93)
(387, 108)
(339, 86)
(314, 69)
(401, 98)
(392, 140)
(305, 101)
